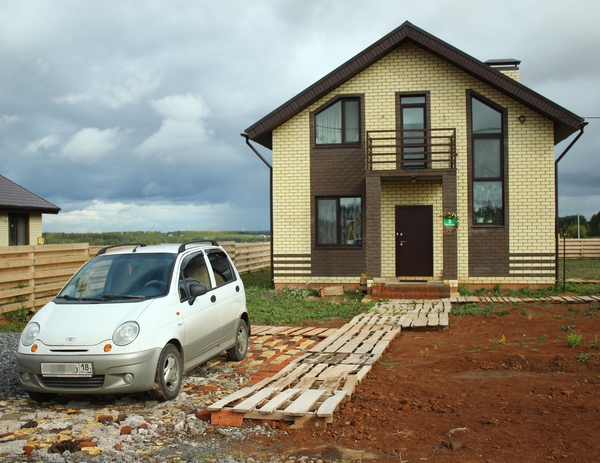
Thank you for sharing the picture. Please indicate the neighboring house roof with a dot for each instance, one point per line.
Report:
(565, 122)
(13, 196)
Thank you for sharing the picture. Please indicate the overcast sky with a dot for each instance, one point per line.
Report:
(127, 114)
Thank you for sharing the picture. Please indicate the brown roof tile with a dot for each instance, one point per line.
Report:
(13, 196)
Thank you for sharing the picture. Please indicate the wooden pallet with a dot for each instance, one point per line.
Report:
(309, 390)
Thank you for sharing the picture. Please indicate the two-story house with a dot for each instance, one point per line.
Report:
(21, 214)
(373, 164)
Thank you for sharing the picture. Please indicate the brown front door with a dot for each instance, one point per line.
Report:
(414, 241)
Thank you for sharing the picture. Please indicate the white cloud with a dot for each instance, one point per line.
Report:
(6, 119)
(100, 216)
(131, 84)
(183, 124)
(90, 145)
(43, 143)
(152, 189)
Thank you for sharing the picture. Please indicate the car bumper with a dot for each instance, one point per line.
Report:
(110, 373)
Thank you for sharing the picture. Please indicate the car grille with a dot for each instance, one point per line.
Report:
(92, 382)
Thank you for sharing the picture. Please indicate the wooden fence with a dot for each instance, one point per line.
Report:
(30, 276)
(585, 248)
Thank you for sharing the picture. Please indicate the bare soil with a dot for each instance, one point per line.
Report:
(501, 388)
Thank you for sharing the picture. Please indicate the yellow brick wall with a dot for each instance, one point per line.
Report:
(35, 228)
(3, 229)
(291, 187)
(407, 69)
(404, 193)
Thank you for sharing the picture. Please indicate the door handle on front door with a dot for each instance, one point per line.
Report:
(402, 243)
(213, 298)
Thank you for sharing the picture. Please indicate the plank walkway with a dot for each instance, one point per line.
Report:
(308, 390)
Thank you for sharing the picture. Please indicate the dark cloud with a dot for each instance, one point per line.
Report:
(127, 115)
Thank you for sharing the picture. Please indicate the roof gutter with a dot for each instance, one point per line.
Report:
(270, 200)
(583, 124)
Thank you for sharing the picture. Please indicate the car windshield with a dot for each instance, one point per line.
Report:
(120, 277)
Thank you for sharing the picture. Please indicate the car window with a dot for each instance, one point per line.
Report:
(221, 267)
(197, 270)
(110, 277)
(194, 270)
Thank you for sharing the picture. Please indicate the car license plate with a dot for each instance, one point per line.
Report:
(67, 369)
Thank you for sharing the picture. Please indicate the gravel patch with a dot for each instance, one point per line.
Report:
(9, 382)
(183, 438)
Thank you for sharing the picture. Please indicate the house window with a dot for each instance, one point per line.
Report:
(488, 159)
(18, 230)
(339, 123)
(339, 221)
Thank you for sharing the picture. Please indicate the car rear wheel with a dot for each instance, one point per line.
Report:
(168, 373)
(238, 351)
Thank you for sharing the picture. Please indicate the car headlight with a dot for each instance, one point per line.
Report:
(30, 334)
(126, 333)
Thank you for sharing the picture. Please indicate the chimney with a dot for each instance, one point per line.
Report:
(508, 67)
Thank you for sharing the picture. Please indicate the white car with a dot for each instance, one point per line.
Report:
(134, 320)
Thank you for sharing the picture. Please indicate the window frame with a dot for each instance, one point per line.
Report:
(341, 100)
(501, 178)
(416, 163)
(338, 231)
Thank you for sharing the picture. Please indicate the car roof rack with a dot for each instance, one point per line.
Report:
(103, 250)
(183, 247)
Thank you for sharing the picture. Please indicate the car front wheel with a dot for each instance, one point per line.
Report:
(238, 351)
(168, 373)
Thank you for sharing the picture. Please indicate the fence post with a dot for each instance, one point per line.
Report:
(32, 280)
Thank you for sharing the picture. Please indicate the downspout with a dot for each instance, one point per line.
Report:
(270, 201)
(583, 124)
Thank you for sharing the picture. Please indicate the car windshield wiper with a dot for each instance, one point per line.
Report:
(67, 297)
(110, 297)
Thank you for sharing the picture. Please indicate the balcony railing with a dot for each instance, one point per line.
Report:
(411, 149)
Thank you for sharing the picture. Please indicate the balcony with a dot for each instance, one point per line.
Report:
(409, 150)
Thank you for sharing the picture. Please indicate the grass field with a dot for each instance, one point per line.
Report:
(584, 269)
(295, 306)
(303, 306)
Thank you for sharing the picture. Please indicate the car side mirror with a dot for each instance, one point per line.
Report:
(196, 289)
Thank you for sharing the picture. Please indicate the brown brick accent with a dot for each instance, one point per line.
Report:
(450, 239)
(488, 245)
(488, 252)
(337, 171)
(372, 232)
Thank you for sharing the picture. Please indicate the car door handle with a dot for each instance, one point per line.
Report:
(213, 298)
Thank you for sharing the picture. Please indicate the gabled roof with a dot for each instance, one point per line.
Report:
(565, 122)
(13, 196)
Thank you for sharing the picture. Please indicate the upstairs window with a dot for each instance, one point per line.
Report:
(339, 221)
(488, 161)
(339, 123)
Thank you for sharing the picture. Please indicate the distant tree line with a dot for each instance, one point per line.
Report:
(587, 228)
(112, 238)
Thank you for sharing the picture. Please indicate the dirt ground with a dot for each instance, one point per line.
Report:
(501, 388)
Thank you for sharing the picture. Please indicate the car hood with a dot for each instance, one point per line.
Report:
(84, 324)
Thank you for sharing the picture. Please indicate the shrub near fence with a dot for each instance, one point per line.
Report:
(585, 248)
(30, 276)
